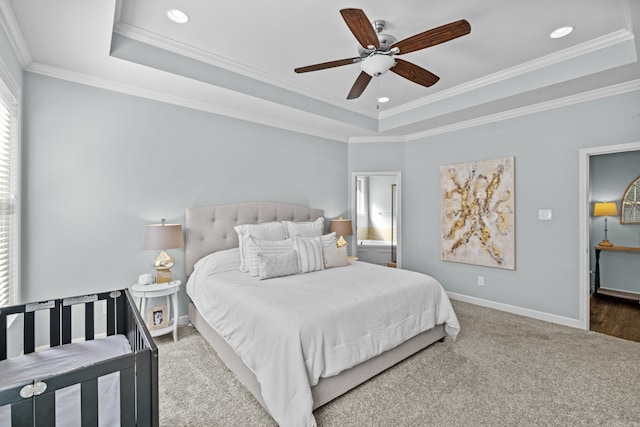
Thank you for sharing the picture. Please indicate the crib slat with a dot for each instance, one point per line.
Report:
(29, 332)
(127, 398)
(54, 325)
(120, 309)
(111, 316)
(3, 337)
(44, 410)
(22, 413)
(66, 324)
(88, 321)
(89, 399)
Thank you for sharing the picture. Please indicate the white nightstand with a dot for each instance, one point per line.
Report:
(169, 290)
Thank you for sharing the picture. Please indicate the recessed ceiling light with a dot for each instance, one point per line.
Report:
(383, 99)
(561, 32)
(178, 16)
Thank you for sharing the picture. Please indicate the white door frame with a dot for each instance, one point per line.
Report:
(584, 214)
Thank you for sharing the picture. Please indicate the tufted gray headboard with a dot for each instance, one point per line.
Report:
(210, 229)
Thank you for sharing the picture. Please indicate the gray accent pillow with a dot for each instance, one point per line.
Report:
(334, 257)
(277, 265)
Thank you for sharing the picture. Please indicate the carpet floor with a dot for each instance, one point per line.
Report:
(503, 370)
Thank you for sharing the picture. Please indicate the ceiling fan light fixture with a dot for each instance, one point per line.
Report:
(561, 32)
(376, 65)
(177, 16)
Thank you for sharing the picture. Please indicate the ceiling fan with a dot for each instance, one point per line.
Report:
(378, 50)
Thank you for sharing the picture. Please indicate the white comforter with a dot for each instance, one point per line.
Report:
(291, 331)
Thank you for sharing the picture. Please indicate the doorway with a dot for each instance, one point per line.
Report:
(584, 222)
(376, 210)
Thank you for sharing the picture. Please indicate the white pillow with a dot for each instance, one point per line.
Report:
(277, 265)
(329, 240)
(334, 257)
(265, 231)
(265, 247)
(309, 250)
(218, 262)
(305, 229)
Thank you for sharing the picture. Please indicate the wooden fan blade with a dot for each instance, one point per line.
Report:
(433, 37)
(359, 86)
(330, 64)
(361, 27)
(414, 73)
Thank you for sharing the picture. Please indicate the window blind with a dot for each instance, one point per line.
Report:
(8, 215)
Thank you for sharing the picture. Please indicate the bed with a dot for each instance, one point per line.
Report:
(271, 334)
(105, 378)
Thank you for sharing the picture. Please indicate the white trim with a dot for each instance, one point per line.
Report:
(583, 221)
(534, 314)
(566, 101)
(170, 45)
(60, 73)
(590, 46)
(10, 90)
(14, 34)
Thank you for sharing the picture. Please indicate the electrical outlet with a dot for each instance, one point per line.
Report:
(480, 280)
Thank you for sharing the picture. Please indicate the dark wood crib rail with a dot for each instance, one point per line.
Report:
(138, 370)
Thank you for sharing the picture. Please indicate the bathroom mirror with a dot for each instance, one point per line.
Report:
(630, 211)
(376, 217)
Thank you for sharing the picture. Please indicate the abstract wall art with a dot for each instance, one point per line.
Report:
(478, 212)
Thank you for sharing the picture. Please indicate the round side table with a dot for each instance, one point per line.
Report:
(165, 319)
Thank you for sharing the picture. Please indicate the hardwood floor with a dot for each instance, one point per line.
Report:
(614, 316)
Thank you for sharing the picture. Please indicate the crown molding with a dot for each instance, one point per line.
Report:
(591, 95)
(72, 76)
(209, 58)
(594, 45)
(13, 32)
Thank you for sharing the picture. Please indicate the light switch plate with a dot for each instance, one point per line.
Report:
(544, 214)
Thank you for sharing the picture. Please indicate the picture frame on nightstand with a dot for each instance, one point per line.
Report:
(158, 317)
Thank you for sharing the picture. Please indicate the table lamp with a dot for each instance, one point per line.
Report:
(605, 209)
(342, 227)
(163, 236)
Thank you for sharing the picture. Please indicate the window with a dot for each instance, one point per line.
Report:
(9, 212)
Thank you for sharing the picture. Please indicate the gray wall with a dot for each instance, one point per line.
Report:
(609, 175)
(100, 165)
(546, 147)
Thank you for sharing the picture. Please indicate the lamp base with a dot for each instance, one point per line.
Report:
(605, 243)
(341, 242)
(163, 276)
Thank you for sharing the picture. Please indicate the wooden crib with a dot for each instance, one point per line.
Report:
(31, 386)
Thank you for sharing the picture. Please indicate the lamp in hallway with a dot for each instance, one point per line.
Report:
(605, 209)
(162, 237)
(342, 227)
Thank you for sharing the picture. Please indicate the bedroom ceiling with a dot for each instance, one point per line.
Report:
(237, 58)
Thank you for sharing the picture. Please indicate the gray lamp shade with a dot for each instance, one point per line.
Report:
(163, 236)
(342, 227)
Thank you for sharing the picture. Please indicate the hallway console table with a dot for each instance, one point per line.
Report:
(612, 292)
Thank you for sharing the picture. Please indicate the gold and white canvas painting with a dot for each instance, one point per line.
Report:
(477, 213)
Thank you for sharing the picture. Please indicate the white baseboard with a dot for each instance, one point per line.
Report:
(183, 320)
(534, 314)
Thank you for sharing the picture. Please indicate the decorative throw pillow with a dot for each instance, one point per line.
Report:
(265, 247)
(304, 229)
(277, 265)
(309, 250)
(334, 257)
(329, 240)
(265, 231)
